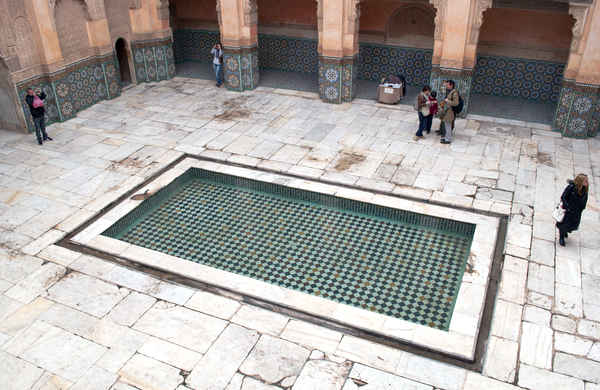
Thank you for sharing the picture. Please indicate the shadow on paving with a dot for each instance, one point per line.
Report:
(512, 108)
(496, 106)
(307, 82)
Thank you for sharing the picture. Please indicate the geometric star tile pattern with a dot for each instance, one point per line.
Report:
(518, 77)
(394, 268)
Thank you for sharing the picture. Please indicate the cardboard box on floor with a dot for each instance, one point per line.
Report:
(389, 95)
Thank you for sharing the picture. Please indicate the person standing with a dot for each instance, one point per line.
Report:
(217, 53)
(573, 199)
(451, 100)
(35, 101)
(433, 109)
(422, 107)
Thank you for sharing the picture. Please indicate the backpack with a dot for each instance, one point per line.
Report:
(37, 102)
(461, 104)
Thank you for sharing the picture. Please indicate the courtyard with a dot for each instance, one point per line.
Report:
(85, 319)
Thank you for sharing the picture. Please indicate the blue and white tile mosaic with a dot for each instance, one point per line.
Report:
(518, 77)
(349, 77)
(379, 61)
(194, 45)
(241, 69)
(288, 54)
(578, 111)
(153, 60)
(74, 88)
(337, 79)
(462, 78)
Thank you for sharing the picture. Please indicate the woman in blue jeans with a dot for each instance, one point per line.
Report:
(423, 111)
(217, 53)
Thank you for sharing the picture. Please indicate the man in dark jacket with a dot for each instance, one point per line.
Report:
(37, 112)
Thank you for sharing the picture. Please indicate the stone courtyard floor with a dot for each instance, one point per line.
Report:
(75, 321)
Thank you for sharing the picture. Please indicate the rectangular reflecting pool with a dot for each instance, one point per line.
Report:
(406, 270)
(393, 262)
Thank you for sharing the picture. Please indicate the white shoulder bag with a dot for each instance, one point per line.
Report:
(559, 213)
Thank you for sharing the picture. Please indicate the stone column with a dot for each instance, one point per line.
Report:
(455, 47)
(238, 23)
(578, 109)
(338, 22)
(151, 43)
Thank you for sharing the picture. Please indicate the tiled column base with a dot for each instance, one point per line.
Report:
(337, 79)
(578, 110)
(153, 60)
(241, 68)
(74, 88)
(463, 79)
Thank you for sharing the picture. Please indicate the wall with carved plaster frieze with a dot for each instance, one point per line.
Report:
(65, 47)
(71, 19)
(397, 22)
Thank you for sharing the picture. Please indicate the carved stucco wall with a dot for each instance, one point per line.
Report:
(18, 34)
(411, 25)
(117, 13)
(71, 19)
(26, 47)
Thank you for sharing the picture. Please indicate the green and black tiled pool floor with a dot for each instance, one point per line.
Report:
(384, 265)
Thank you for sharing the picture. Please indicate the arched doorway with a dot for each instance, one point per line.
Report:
(521, 56)
(123, 58)
(412, 26)
(395, 43)
(288, 44)
(195, 26)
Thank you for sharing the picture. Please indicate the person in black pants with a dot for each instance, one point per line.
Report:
(574, 199)
(36, 106)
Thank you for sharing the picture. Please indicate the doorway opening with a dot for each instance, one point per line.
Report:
(521, 56)
(123, 58)
(287, 44)
(195, 27)
(396, 43)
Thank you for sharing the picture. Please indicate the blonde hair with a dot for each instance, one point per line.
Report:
(580, 183)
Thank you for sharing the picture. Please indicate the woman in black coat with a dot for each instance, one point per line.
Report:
(574, 199)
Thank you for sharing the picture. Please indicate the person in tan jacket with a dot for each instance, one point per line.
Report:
(422, 107)
(451, 100)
